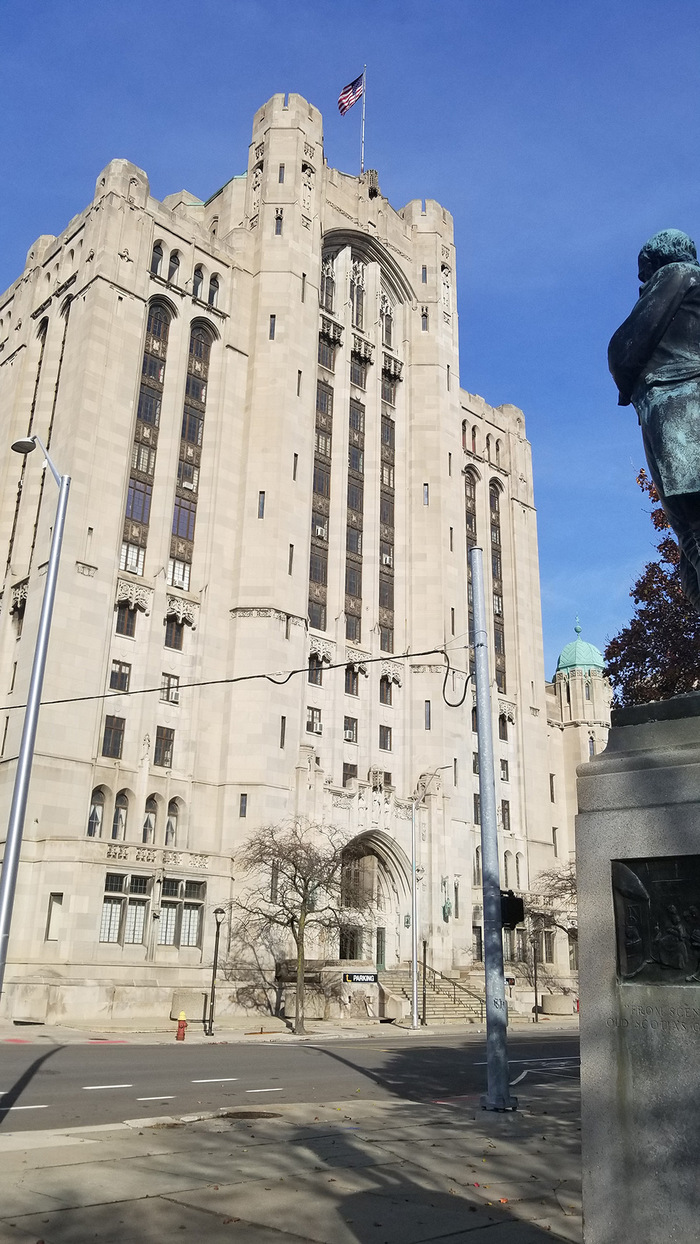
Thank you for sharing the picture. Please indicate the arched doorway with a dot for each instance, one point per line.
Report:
(375, 899)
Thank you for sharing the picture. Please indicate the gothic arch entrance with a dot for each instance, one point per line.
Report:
(376, 894)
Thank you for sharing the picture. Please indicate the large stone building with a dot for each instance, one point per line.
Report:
(274, 468)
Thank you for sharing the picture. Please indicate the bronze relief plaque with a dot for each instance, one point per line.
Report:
(657, 919)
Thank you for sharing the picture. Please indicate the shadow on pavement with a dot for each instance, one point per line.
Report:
(12, 1095)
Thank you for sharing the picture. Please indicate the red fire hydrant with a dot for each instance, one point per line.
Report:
(181, 1027)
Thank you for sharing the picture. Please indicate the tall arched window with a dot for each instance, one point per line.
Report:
(191, 436)
(477, 866)
(149, 820)
(474, 439)
(174, 267)
(588, 691)
(213, 295)
(327, 285)
(157, 258)
(121, 812)
(143, 458)
(97, 809)
(503, 727)
(464, 434)
(508, 869)
(499, 645)
(591, 748)
(520, 883)
(197, 282)
(498, 453)
(488, 448)
(171, 824)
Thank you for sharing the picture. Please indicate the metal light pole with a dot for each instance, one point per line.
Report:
(15, 827)
(219, 915)
(533, 943)
(498, 1095)
(414, 900)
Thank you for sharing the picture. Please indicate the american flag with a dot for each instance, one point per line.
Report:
(350, 94)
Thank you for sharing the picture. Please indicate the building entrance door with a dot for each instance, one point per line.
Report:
(381, 949)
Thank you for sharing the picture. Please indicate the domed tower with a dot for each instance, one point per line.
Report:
(583, 694)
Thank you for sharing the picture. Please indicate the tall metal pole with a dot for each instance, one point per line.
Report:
(15, 828)
(497, 1096)
(534, 975)
(414, 921)
(362, 139)
(425, 984)
(210, 1027)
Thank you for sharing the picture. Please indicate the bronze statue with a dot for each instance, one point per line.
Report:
(654, 358)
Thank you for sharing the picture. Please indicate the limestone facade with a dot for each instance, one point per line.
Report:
(274, 468)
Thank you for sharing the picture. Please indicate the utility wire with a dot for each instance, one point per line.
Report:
(219, 682)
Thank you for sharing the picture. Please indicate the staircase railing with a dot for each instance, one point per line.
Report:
(454, 986)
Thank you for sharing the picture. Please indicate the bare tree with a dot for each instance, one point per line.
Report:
(552, 900)
(302, 880)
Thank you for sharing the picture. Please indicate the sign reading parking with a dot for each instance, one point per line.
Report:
(360, 978)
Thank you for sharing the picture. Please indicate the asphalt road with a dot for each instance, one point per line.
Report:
(78, 1085)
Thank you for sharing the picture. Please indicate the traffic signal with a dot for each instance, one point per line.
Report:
(512, 909)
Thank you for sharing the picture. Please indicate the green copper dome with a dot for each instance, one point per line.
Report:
(579, 655)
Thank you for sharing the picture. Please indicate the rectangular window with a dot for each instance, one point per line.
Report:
(188, 475)
(386, 509)
(53, 917)
(386, 592)
(167, 925)
(477, 943)
(261, 505)
(385, 738)
(424, 275)
(153, 368)
(501, 682)
(353, 580)
(324, 398)
(386, 554)
(388, 390)
(298, 384)
(326, 354)
(313, 720)
(278, 222)
(454, 771)
(318, 565)
(273, 324)
(388, 432)
(352, 680)
(111, 919)
(322, 480)
(280, 174)
(138, 501)
(184, 514)
(475, 762)
(350, 729)
(357, 416)
(135, 922)
(295, 464)
(353, 629)
(451, 539)
(448, 389)
(195, 389)
(170, 688)
(149, 407)
(290, 559)
(322, 443)
(452, 621)
(552, 793)
(113, 738)
(349, 773)
(190, 927)
(120, 675)
(132, 558)
(426, 494)
(387, 475)
(386, 691)
(355, 497)
(549, 946)
(356, 459)
(353, 540)
(283, 730)
(477, 810)
(358, 372)
(504, 770)
(315, 670)
(386, 638)
(163, 751)
(427, 715)
(192, 426)
(303, 287)
(174, 632)
(503, 728)
(179, 573)
(243, 805)
(555, 841)
(317, 615)
(505, 815)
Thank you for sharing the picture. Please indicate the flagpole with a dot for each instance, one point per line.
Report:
(362, 142)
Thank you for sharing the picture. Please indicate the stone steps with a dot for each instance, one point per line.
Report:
(441, 1007)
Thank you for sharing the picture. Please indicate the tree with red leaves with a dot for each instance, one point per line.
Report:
(658, 655)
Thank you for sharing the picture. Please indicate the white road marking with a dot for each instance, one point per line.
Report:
(522, 1075)
(274, 1090)
(564, 1058)
(161, 1097)
(3, 1109)
(216, 1080)
(89, 1088)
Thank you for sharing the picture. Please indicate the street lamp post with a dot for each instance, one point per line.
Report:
(414, 900)
(219, 915)
(533, 943)
(25, 758)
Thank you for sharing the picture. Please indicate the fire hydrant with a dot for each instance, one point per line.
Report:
(181, 1027)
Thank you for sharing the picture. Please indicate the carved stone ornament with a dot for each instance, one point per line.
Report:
(86, 569)
(135, 595)
(183, 610)
(357, 273)
(392, 367)
(331, 331)
(376, 779)
(358, 660)
(392, 671)
(307, 181)
(506, 709)
(385, 304)
(429, 669)
(309, 151)
(403, 808)
(321, 648)
(362, 349)
(259, 151)
(261, 611)
(446, 288)
(657, 920)
(255, 185)
(328, 267)
(19, 596)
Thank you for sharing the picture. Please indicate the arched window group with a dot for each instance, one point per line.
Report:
(174, 274)
(151, 830)
(191, 437)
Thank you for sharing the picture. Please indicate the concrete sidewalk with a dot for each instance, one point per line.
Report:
(261, 1030)
(340, 1173)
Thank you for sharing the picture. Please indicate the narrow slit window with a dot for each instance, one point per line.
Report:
(261, 505)
(273, 325)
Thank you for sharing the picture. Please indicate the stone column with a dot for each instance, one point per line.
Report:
(638, 860)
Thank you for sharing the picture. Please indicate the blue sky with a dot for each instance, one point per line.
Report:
(559, 133)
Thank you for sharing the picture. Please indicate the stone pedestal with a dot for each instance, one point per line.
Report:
(638, 860)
